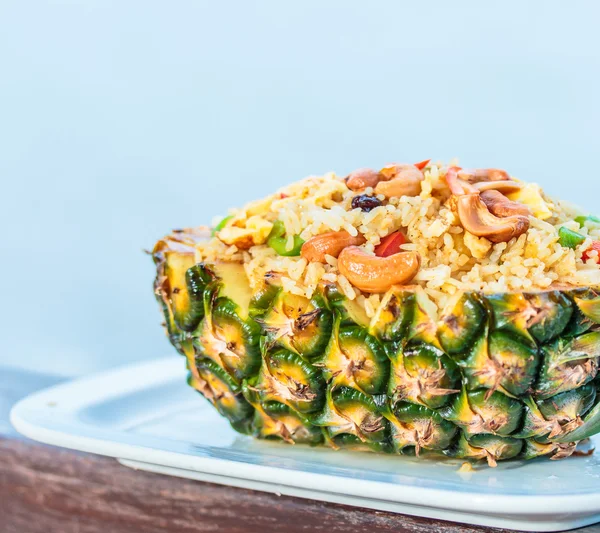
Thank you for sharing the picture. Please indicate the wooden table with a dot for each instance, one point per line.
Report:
(48, 489)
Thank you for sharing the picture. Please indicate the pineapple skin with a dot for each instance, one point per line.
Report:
(496, 376)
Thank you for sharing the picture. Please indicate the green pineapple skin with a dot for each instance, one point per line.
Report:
(495, 377)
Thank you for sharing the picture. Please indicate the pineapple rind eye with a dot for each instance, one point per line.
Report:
(349, 311)
(349, 411)
(459, 326)
(423, 375)
(553, 419)
(262, 299)
(353, 358)
(278, 421)
(218, 387)
(569, 405)
(512, 313)
(489, 447)
(286, 378)
(517, 362)
(479, 411)
(182, 306)
(554, 311)
(187, 306)
(532, 448)
(421, 428)
(502, 415)
(296, 323)
(590, 307)
(590, 424)
(394, 316)
(227, 339)
(362, 411)
(372, 367)
(568, 364)
(581, 323)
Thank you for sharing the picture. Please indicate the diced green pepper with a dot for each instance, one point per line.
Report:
(589, 218)
(569, 238)
(278, 241)
(220, 225)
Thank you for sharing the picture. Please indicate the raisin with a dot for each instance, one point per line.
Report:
(365, 202)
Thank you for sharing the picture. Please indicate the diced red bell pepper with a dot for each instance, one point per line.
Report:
(390, 244)
(421, 165)
(594, 247)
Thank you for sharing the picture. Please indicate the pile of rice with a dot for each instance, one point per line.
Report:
(452, 259)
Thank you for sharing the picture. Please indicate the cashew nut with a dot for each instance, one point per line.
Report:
(483, 174)
(361, 179)
(316, 248)
(374, 274)
(505, 187)
(391, 171)
(476, 218)
(404, 180)
(501, 206)
(457, 185)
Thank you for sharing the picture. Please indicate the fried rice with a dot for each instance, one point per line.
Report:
(452, 259)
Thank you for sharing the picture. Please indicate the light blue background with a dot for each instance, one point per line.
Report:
(120, 120)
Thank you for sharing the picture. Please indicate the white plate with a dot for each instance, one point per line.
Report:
(146, 416)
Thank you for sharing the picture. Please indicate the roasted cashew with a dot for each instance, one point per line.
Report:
(457, 185)
(361, 179)
(476, 218)
(509, 219)
(404, 180)
(475, 175)
(374, 274)
(501, 206)
(505, 186)
(316, 248)
(393, 170)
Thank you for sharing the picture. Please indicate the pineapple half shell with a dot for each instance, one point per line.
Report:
(497, 376)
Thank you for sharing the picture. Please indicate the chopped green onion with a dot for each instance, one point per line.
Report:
(569, 238)
(583, 219)
(221, 225)
(278, 241)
